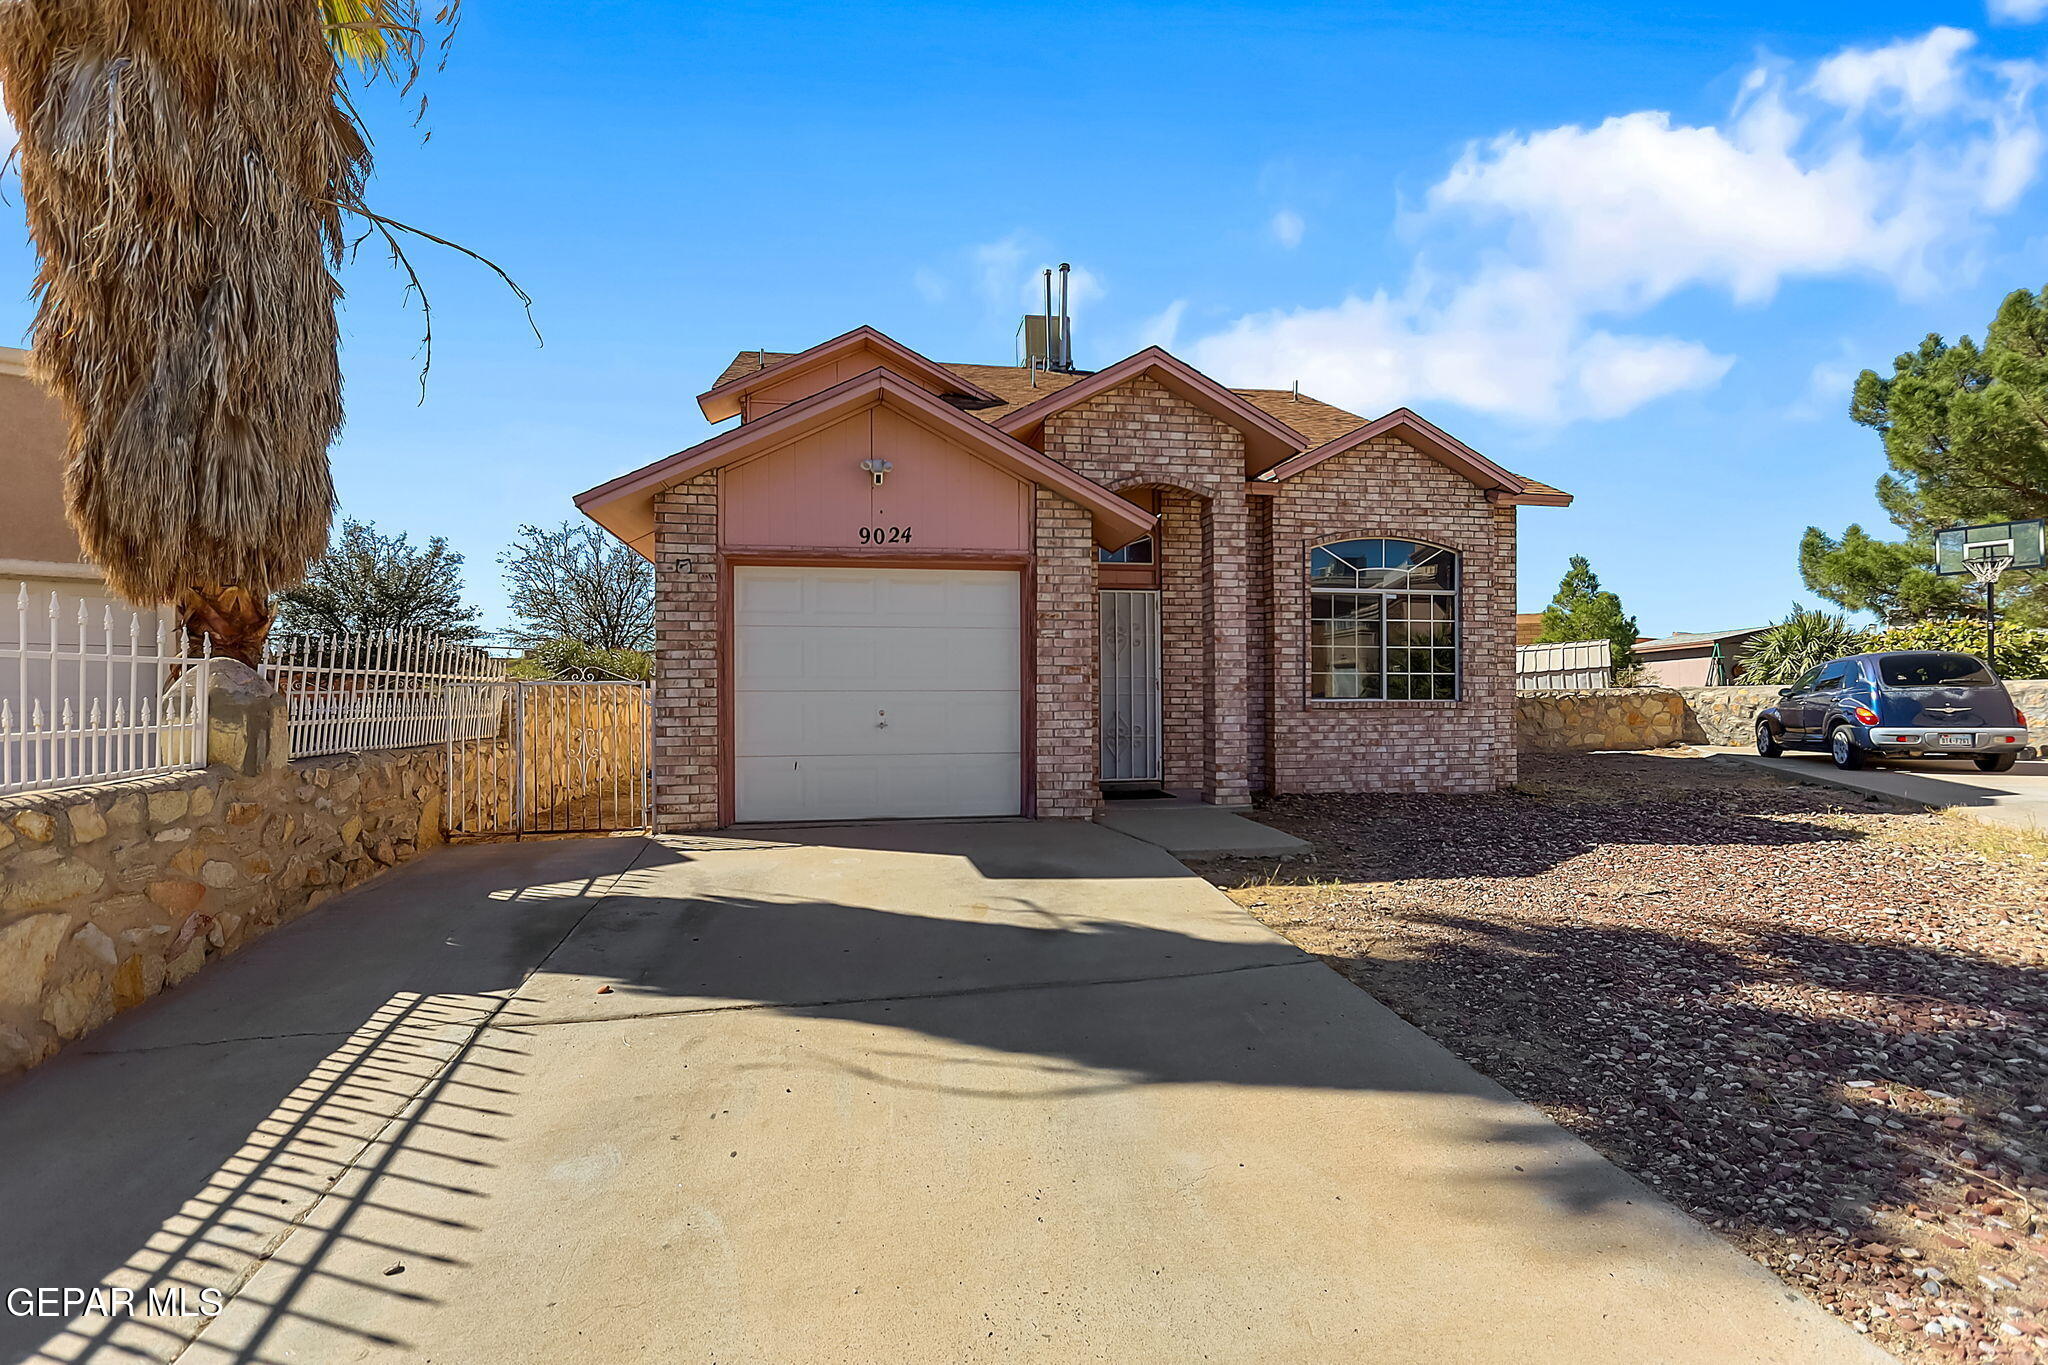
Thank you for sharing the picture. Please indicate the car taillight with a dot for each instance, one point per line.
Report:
(2019, 717)
(1866, 715)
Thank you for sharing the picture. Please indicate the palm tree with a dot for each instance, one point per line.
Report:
(187, 166)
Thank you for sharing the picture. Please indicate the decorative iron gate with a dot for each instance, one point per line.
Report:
(571, 756)
(1130, 687)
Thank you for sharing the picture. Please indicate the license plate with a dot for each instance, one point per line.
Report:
(1959, 741)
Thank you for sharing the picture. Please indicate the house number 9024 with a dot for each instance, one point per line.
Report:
(885, 535)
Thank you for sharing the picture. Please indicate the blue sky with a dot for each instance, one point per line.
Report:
(1638, 255)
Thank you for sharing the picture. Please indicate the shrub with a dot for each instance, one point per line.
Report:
(573, 658)
(2022, 652)
(1803, 640)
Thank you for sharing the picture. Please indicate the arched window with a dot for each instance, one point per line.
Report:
(1383, 621)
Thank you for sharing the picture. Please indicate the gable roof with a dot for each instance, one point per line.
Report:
(1267, 439)
(1320, 430)
(1693, 639)
(1440, 446)
(722, 399)
(625, 505)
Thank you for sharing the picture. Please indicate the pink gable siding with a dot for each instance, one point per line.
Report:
(779, 393)
(813, 493)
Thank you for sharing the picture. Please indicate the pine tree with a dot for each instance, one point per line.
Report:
(1582, 610)
(1965, 429)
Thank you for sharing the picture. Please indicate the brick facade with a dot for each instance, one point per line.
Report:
(687, 724)
(1138, 435)
(1236, 714)
(1066, 649)
(1385, 488)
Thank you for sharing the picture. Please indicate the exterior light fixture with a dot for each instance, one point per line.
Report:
(877, 469)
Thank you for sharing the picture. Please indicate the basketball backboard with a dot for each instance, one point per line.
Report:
(2021, 541)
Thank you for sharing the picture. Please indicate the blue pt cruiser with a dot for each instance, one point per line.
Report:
(1917, 704)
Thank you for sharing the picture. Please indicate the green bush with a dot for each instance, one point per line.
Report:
(1803, 640)
(573, 658)
(2022, 652)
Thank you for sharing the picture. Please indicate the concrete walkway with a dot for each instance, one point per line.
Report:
(936, 1093)
(2014, 800)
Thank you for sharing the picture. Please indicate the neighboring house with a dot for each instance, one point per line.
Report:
(1700, 658)
(901, 588)
(39, 552)
(1528, 626)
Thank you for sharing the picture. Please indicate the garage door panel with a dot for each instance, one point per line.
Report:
(862, 598)
(793, 724)
(869, 788)
(876, 693)
(829, 658)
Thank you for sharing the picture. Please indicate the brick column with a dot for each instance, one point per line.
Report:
(1183, 643)
(1226, 565)
(686, 618)
(1065, 656)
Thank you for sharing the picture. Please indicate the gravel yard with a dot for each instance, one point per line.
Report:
(1814, 1021)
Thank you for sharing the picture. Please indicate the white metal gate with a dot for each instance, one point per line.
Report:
(570, 756)
(1130, 686)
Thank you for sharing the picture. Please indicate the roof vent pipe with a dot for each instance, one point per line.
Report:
(1065, 344)
(1052, 345)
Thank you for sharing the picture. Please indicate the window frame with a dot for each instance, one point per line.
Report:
(1456, 618)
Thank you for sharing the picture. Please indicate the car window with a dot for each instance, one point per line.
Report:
(1933, 670)
(1805, 681)
(1831, 677)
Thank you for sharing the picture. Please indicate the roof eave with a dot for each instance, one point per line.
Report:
(722, 401)
(1269, 442)
(617, 504)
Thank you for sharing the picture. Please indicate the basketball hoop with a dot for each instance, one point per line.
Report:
(1988, 569)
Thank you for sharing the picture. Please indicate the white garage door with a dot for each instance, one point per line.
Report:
(875, 693)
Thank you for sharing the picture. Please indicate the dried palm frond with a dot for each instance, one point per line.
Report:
(186, 166)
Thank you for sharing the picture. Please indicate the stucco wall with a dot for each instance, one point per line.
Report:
(110, 893)
(1385, 488)
(31, 470)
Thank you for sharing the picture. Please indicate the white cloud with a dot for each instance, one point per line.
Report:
(932, 286)
(1530, 243)
(1287, 227)
(1920, 76)
(2018, 11)
(1162, 329)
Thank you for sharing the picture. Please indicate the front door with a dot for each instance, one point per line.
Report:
(1130, 686)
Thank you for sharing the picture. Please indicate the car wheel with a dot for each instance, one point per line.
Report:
(1842, 747)
(1766, 742)
(1996, 763)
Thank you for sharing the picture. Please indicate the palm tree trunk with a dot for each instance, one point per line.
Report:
(235, 620)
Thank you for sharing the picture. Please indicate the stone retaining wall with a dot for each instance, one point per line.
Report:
(110, 893)
(1650, 717)
(1599, 718)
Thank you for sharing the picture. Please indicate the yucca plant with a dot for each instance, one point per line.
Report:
(187, 167)
(1805, 639)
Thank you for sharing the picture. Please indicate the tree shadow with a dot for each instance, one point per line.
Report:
(267, 1125)
(1831, 1090)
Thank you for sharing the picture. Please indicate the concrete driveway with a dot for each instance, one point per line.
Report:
(939, 1093)
(2015, 800)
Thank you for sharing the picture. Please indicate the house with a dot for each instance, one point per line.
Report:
(902, 588)
(1699, 658)
(38, 549)
(1528, 625)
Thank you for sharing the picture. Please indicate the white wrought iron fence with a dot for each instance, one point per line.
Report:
(89, 693)
(390, 690)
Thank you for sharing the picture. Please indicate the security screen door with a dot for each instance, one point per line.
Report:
(1130, 686)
